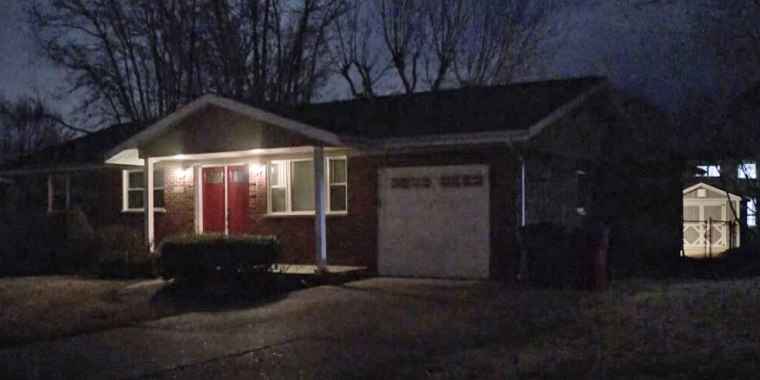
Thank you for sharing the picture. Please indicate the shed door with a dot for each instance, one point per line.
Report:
(434, 221)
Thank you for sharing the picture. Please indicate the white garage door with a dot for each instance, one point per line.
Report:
(433, 221)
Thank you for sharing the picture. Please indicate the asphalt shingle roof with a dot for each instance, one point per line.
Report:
(466, 110)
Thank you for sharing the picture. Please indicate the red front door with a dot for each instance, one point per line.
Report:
(237, 199)
(213, 199)
(235, 214)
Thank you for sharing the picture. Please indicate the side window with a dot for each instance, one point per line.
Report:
(746, 170)
(708, 170)
(337, 184)
(583, 191)
(133, 190)
(58, 193)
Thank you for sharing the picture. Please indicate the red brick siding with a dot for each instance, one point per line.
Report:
(352, 238)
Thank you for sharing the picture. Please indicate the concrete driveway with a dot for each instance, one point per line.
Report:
(376, 328)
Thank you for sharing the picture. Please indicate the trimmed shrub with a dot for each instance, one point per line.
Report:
(123, 252)
(558, 257)
(80, 239)
(211, 256)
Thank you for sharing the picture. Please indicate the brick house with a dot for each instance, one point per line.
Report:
(429, 184)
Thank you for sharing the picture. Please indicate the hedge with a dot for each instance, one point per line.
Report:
(214, 255)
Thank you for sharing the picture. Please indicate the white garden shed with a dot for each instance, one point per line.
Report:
(711, 220)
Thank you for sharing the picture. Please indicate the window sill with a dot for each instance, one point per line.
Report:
(297, 214)
(141, 211)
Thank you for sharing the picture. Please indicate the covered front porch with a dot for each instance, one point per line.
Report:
(219, 166)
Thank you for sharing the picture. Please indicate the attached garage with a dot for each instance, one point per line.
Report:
(434, 221)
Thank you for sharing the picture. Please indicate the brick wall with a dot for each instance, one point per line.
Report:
(352, 238)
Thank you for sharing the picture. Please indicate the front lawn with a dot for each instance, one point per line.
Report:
(48, 307)
(640, 328)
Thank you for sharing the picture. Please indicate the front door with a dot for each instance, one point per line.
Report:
(237, 199)
(225, 211)
(213, 200)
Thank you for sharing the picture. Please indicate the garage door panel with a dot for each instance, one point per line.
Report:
(434, 221)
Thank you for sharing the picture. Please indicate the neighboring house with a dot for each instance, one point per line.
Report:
(429, 184)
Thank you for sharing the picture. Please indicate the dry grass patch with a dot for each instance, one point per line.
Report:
(48, 307)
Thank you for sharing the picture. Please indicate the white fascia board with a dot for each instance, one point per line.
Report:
(703, 185)
(232, 105)
(453, 139)
(54, 169)
(563, 110)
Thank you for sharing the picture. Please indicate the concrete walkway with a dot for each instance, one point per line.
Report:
(372, 328)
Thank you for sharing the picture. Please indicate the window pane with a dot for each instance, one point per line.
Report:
(158, 198)
(337, 171)
(158, 179)
(277, 174)
(751, 212)
(302, 186)
(135, 199)
(708, 171)
(214, 177)
(747, 170)
(135, 180)
(278, 200)
(238, 176)
(338, 198)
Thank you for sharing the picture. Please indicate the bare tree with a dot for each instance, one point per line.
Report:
(27, 125)
(500, 38)
(354, 49)
(403, 34)
(139, 59)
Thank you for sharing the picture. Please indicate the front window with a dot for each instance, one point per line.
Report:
(747, 170)
(58, 193)
(291, 186)
(133, 190)
(708, 171)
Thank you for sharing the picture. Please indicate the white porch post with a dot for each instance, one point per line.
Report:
(148, 202)
(320, 228)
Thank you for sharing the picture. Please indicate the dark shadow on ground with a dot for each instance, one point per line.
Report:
(179, 297)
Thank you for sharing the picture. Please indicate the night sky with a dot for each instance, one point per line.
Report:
(650, 52)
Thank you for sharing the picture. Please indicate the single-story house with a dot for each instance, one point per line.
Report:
(432, 184)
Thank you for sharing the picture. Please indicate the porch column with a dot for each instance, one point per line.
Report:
(320, 228)
(148, 202)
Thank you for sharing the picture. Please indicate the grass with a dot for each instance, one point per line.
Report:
(640, 328)
(49, 307)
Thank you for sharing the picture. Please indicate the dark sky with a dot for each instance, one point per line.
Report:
(647, 51)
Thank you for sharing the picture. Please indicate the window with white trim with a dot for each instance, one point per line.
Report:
(751, 212)
(708, 170)
(746, 170)
(58, 193)
(291, 186)
(337, 184)
(133, 185)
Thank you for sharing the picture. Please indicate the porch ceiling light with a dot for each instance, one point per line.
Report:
(179, 157)
(181, 173)
(258, 169)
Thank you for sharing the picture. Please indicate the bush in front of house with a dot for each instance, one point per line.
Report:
(556, 256)
(123, 252)
(210, 256)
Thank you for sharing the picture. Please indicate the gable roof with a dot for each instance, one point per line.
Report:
(702, 185)
(456, 116)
